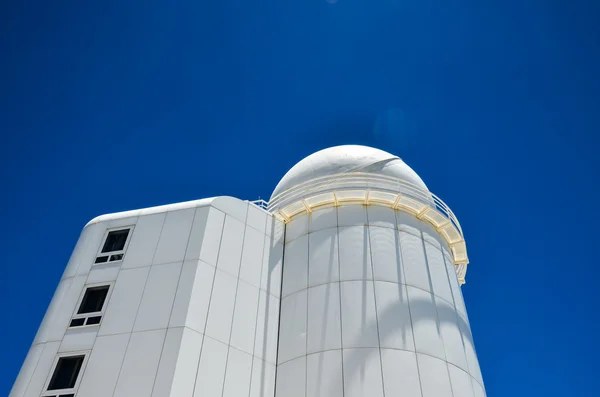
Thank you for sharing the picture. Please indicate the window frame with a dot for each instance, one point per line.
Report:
(60, 392)
(111, 253)
(85, 316)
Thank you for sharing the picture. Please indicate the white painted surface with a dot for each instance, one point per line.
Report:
(324, 374)
(143, 342)
(453, 345)
(295, 270)
(263, 379)
(362, 373)
(104, 272)
(230, 253)
(397, 294)
(385, 254)
(291, 378)
(460, 381)
(159, 310)
(393, 315)
(220, 313)
(297, 228)
(345, 159)
(27, 369)
(85, 250)
(79, 339)
(272, 267)
(174, 236)
(324, 318)
(400, 373)
(168, 362)
(257, 218)
(144, 241)
(244, 317)
(359, 320)
(437, 272)
(211, 369)
(292, 329)
(478, 390)
(232, 206)
(413, 258)
(42, 370)
(355, 253)
(157, 301)
(323, 219)
(352, 215)
(267, 327)
(60, 310)
(251, 266)
(184, 377)
(140, 364)
(124, 302)
(209, 237)
(194, 310)
(428, 338)
(238, 373)
(323, 266)
(104, 365)
(380, 216)
(435, 381)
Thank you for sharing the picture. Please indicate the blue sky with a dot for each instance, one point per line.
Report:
(109, 106)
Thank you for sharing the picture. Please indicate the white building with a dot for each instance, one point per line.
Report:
(346, 285)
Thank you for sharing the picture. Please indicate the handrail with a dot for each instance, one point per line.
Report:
(367, 189)
(361, 181)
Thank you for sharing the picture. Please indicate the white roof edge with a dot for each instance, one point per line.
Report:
(153, 210)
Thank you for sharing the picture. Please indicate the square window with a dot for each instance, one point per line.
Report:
(115, 241)
(66, 373)
(93, 299)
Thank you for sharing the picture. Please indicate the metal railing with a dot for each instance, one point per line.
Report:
(360, 181)
(260, 203)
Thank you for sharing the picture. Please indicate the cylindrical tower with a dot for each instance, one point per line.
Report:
(371, 302)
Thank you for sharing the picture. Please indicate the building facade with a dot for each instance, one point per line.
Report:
(347, 283)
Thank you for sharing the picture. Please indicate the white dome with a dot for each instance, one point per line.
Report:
(345, 159)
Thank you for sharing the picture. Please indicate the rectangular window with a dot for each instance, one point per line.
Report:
(115, 241)
(114, 246)
(66, 373)
(93, 300)
(91, 307)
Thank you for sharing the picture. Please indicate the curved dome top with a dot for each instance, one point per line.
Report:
(345, 159)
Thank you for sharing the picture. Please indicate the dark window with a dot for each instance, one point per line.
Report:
(93, 299)
(77, 322)
(65, 373)
(101, 259)
(94, 320)
(115, 241)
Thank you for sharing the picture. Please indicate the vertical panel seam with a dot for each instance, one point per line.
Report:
(368, 231)
(412, 328)
(172, 307)
(280, 304)
(308, 220)
(210, 297)
(434, 298)
(337, 233)
(457, 326)
(237, 283)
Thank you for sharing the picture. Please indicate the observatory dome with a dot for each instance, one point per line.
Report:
(346, 159)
